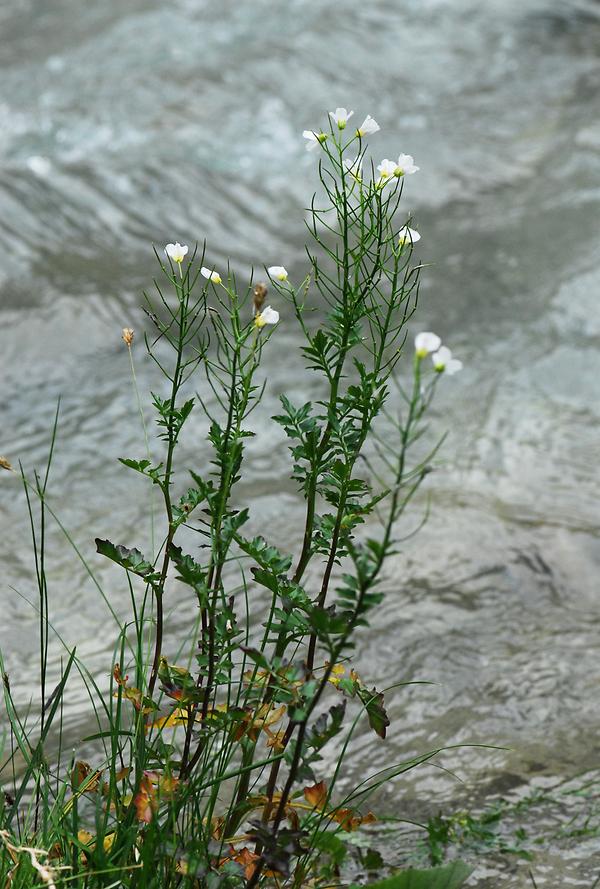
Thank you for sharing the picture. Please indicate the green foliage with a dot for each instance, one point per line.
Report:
(476, 833)
(203, 755)
(131, 559)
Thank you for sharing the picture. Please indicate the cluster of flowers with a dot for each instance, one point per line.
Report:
(388, 170)
(428, 343)
(177, 253)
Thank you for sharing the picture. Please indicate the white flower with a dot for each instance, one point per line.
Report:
(341, 117)
(387, 172)
(444, 362)
(409, 235)
(278, 272)
(386, 169)
(267, 316)
(176, 252)
(405, 167)
(426, 342)
(368, 127)
(354, 168)
(313, 139)
(211, 275)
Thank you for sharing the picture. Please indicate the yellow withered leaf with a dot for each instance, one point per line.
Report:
(85, 837)
(316, 795)
(338, 671)
(276, 739)
(350, 820)
(139, 700)
(83, 778)
(145, 801)
(179, 716)
(247, 860)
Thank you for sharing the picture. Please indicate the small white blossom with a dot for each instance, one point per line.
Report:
(211, 274)
(278, 272)
(267, 316)
(341, 117)
(409, 235)
(386, 172)
(176, 252)
(404, 167)
(386, 169)
(368, 127)
(426, 342)
(313, 139)
(354, 168)
(444, 362)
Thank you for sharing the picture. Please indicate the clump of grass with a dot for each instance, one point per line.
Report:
(210, 763)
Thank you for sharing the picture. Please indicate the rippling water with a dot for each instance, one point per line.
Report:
(128, 124)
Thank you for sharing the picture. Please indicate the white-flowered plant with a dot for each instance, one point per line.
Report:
(191, 795)
(176, 252)
(368, 127)
(408, 235)
(278, 272)
(443, 361)
(341, 117)
(267, 316)
(313, 140)
(426, 342)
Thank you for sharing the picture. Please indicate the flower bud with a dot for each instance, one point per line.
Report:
(259, 296)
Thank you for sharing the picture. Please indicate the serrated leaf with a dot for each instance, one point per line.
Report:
(130, 559)
(376, 713)
(138, 465)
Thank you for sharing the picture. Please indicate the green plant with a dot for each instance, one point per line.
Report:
(209, 766)
(474, 833)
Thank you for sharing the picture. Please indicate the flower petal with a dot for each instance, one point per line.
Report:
(426, 342)
(368, 127)
(278, 272)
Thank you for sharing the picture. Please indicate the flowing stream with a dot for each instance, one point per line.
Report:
(127, 124)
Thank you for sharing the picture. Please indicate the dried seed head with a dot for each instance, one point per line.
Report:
(127, 335)
(4, 464)
(259, 296)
